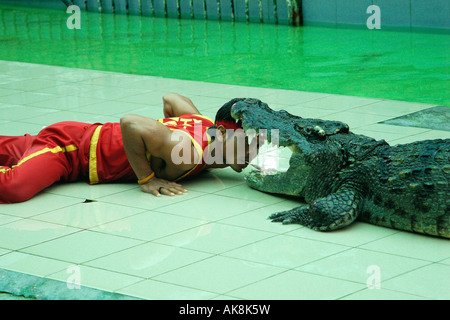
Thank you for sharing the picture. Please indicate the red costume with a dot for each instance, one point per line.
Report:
(70, 151)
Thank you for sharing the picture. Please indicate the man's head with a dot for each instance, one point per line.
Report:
(236, 150)
(224, 118)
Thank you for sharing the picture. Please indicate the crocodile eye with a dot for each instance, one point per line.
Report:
(319, 131)
(315, 131)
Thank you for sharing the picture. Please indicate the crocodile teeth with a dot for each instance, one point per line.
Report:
(251, 134)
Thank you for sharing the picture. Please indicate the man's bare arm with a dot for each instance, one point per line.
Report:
(139, 135)
(176, 105)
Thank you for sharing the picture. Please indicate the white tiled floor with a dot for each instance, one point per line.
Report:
(215, 242)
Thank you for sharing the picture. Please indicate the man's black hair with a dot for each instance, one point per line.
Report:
(224, 113)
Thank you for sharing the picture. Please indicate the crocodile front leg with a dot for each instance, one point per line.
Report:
(333, 212)
(281, 182)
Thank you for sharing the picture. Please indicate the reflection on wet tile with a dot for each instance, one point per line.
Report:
(211, 207)
(358, 265)
(215, 238)
(148, 260)
(78, 247)
(87, 214)
(157, 290)
(219, 274)
(431, 282)
(97, 278)
(294, 285)
(148, 225)
(286, 251)
(412, 245)
(26, 232)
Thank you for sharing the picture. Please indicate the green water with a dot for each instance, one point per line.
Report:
(360, 62)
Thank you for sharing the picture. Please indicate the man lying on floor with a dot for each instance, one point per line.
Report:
(156, 153)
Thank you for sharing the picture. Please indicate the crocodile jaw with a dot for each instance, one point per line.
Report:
(261, 125)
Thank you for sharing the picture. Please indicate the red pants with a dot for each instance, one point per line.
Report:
(64, 151)
(29, 164)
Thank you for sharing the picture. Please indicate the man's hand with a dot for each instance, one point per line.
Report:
(158, 186)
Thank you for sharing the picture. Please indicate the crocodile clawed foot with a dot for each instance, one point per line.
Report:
(285, 217)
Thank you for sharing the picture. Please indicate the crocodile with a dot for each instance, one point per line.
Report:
(343, 177)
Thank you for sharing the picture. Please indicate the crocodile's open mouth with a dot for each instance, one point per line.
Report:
(259, 121)
(282, 128)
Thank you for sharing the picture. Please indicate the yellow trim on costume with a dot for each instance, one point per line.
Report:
(68, 148)
(174, 121)
(197, 147)
(93, 174)
(205, 117)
